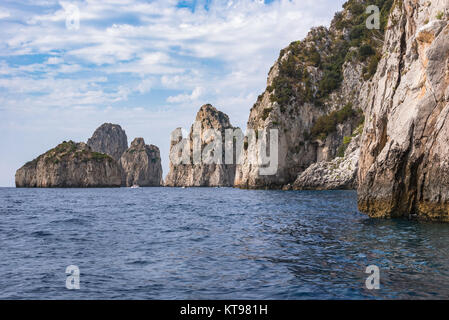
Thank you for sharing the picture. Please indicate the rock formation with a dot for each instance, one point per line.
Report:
(312, 95)
(77, 165)
(202, 174)
(70, 165)
(339, 173)
(404, 159)
(110, 139)
(141, 165)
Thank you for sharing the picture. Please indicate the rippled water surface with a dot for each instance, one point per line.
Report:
(208, 243)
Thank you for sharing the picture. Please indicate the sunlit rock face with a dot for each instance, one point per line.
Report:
(313, 97)
(201, 173)
(70, 165)
(404, 158)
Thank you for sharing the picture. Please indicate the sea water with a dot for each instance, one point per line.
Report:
(212, 243)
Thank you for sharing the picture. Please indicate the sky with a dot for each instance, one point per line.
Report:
(66, 67)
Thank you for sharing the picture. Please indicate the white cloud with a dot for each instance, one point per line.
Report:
(183, 98)
(145, 85)
(4, 13)
(54, 60)
(245, 28)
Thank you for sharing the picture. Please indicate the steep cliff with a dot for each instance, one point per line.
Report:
(110, 139)
(202, 174)
(141, 165)
(313, 93)
(70, 165)
(404, 167)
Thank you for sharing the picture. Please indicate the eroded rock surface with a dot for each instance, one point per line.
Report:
(339, 173)
(313, 96)
(404, 159)
(110, 139)
(202, 174)
(141, 165)
(70, 165)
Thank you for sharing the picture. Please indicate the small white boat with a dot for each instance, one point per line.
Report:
(135, 186)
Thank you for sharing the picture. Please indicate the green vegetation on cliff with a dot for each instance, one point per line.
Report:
(294, 81)
(367, 42)
(68, 150)
(327, 124)
(350, 40)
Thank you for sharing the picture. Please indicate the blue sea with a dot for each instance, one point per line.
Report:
(212, 243)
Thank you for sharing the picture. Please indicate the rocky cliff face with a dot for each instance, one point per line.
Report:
(202, 174)
(312, 96)
(404, 167)
(110, 139)
(141, 165)
(70, 165)
(339, 173)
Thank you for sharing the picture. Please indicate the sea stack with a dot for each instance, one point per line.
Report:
(70, 165)
(141, 165)
(202, 174)
(110, 139)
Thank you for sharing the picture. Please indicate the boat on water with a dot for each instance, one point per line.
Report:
(135, 186)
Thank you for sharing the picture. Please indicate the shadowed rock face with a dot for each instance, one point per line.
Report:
(110, 139)
(203, 175)
(339, 173)
(70, 165)
(404, 159)
(141, 165)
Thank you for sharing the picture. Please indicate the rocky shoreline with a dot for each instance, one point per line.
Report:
(353, 108)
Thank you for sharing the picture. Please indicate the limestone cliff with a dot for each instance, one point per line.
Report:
(339, 173)
(70, 165)
(313, 95)
(141, 165)
(404, 159)
(202, 174)
(110, 139)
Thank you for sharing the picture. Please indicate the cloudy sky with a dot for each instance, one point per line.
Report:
(146, 65)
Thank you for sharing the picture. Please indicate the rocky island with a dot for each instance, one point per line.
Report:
(70, 165)
(386, 88)
(105, 161)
